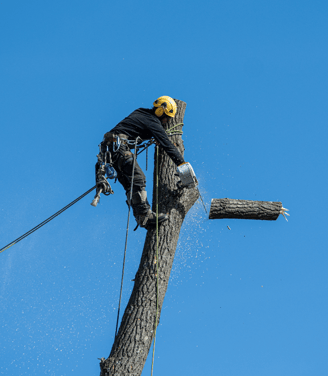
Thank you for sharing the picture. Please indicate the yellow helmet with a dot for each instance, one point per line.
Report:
(165, 105)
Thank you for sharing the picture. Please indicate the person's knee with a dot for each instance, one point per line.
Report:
(139, 197)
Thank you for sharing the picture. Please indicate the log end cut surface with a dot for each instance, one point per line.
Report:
(244, 209)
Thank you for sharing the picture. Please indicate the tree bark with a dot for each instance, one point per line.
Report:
(244, 209)
(135, 335)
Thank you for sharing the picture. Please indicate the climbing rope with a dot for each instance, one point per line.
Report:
(46, 221)
(156, 260)
(170, 132)
(127, 233)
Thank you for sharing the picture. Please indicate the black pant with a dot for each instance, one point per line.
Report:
(123, 164)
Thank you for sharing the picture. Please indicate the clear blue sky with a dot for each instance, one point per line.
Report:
(249, 301)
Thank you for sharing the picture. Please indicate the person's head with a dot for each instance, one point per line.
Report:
(165, 108)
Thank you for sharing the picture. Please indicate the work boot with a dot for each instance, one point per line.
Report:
(142, 212)
(149, 219)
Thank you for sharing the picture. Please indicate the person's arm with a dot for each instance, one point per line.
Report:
(163, 140)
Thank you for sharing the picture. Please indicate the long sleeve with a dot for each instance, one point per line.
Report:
(162, 138)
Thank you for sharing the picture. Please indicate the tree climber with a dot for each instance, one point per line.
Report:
(143, 124)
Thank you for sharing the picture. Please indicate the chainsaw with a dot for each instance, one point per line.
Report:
(188, 179)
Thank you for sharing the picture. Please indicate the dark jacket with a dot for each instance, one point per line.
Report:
(145, 124)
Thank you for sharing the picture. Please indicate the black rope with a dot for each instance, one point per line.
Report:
(46, 221)
(146, 146)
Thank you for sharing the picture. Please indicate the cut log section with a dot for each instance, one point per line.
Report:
(245, 209)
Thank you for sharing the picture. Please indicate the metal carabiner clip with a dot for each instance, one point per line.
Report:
(116, 144)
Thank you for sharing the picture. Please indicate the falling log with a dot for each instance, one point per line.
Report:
(136, 332)
(245, 209)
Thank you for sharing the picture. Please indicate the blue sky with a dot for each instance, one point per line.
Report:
(247, 301)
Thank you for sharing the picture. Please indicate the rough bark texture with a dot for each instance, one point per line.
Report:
(244, 209)
(135, 335)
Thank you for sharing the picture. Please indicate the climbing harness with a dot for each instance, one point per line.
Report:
(104, 167)
(46, 221)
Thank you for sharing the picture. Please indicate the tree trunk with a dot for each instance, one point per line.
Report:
(244, 209)
(135, 335)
